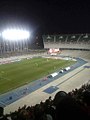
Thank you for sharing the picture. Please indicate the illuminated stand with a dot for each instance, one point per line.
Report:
(14, 40)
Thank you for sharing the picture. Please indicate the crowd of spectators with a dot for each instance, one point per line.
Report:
(72, 105)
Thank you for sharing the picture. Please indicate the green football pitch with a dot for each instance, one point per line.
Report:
(19, 73)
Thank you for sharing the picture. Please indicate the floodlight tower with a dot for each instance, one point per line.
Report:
(16, 38)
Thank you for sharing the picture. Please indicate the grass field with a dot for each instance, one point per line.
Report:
(16, 74)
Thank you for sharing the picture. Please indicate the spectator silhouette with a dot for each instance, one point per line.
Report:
(2, 117)
(59, 96)
(69, 109)
(86, 97)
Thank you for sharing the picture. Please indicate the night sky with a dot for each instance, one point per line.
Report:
(47, 16)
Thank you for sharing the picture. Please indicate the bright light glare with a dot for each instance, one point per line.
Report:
(15, 34)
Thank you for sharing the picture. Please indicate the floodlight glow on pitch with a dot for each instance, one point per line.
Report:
(15, 34)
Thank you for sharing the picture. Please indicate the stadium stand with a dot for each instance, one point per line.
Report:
(62, 41)
(67, 41)
(76, 53)
(71, 105)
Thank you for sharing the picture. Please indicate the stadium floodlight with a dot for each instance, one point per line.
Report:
(73, 36)
(61, 37)
(48, 37)
(15, 34)
(86, 36)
